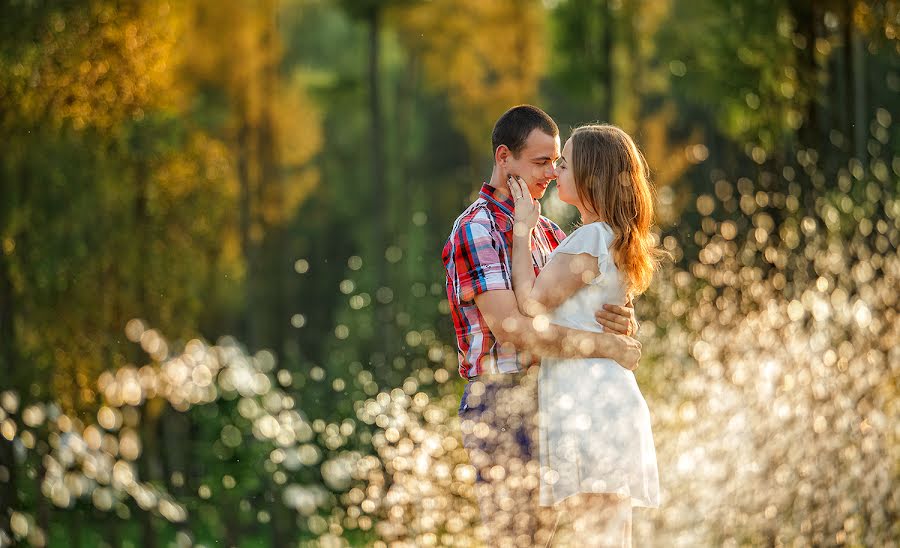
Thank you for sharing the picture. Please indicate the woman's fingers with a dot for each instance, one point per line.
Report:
(523, 188)
(612, 322)
(619, 310)
(516, 189)
(512, 186)
(611, 326)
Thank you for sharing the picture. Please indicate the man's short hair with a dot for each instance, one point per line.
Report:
(513, 128)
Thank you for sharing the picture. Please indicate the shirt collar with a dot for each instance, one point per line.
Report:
(491, 195)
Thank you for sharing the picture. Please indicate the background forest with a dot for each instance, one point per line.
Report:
(222, 307)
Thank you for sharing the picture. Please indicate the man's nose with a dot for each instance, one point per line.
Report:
(553, 173)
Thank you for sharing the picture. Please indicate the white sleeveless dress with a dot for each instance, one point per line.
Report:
(594, 430)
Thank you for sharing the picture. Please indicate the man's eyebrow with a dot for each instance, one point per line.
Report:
(543, 158)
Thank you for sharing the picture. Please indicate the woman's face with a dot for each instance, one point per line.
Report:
(565, 178)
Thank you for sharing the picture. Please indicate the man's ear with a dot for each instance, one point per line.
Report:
(501, 155)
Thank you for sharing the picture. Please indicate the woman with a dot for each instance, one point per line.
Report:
(597, 454)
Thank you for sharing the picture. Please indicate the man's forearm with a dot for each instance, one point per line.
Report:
(536, 336)
(539, 338)
(564, 342)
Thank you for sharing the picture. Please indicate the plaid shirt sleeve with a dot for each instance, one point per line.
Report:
(477, 262)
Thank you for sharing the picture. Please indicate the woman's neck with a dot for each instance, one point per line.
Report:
(588, 217)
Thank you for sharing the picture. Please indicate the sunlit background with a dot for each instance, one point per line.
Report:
(222, 309)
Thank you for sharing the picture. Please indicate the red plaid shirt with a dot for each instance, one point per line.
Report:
(478, 258)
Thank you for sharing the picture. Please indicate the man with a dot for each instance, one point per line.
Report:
(498, 346)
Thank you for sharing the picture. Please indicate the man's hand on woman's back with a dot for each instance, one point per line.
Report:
(619, 323)
(627, 351)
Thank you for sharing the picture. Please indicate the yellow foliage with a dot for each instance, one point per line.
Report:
(298, 137)
(879, 20)
(264, 111)
(203, 165)
(101, 66)
(229, 48)
(297, 127)
(486, 56)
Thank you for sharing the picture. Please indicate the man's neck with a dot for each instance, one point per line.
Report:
(498, 181)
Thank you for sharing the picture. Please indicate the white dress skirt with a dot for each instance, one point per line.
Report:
(595, 434)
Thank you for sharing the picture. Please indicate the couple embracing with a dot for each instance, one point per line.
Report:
(551, 416)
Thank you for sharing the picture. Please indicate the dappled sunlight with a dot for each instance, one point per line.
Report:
(418, 464)
(771, 370)
(769, 367)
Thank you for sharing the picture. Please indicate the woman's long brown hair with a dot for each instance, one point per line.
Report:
(612, 180)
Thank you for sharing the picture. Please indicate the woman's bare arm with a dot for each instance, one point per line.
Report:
(523, 271)
(561, 277)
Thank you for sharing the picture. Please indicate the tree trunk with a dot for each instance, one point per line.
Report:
(858, 74)
(406, 105)
(148, 422)
(142, 234)
(110, 530)
(10, 203)
(7, 332)
(608, 22)
(805, 14)
(174, 435)
(8, 492)
(380, 201)
(194, 468)
(43, 505)
(176, 439)
(632, 101)
(75, 528)
(244, 213)
(279, 519)
(281, 303)
(232, 523)
(149, 464)
(843, 80)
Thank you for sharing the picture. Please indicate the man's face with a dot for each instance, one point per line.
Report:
(536, 163)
